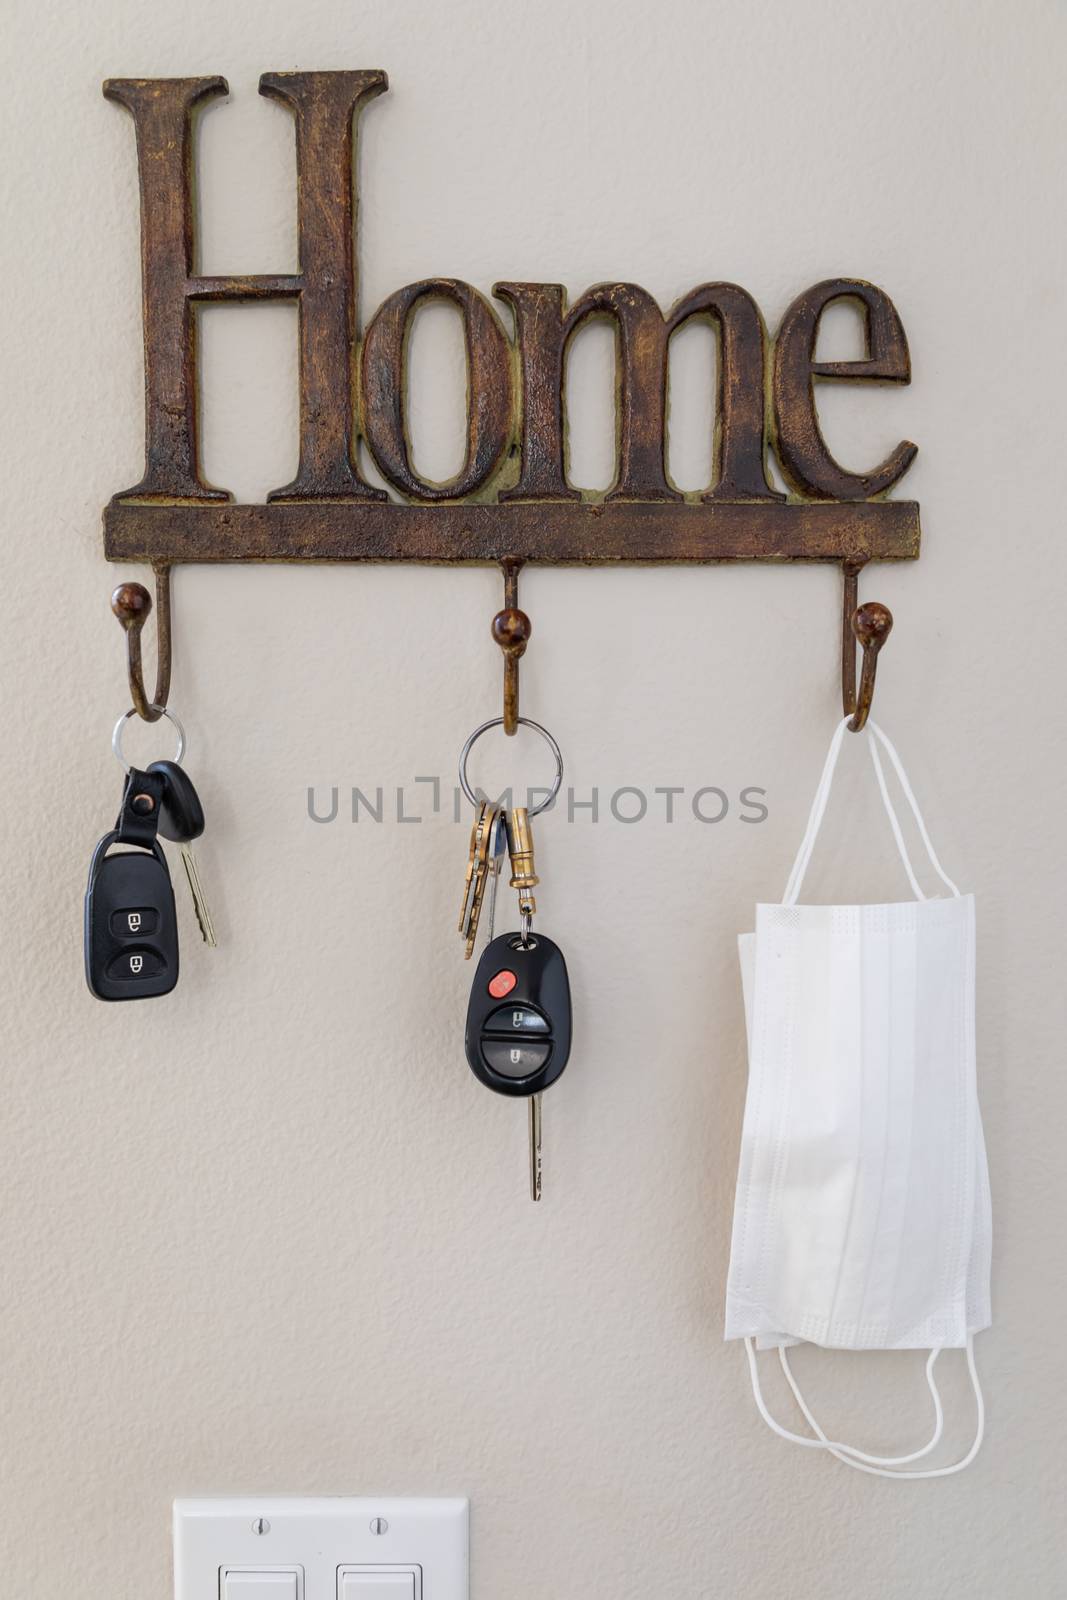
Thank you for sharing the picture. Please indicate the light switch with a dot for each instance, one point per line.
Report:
(263, 1583)
(379, 1583)
(324, 1547)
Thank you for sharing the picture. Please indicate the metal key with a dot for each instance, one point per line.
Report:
(524, 879)
(472, 868)
(477, 875)
(503, 830)
(535, 1147)
(181, 819)
(498, 838)
(518, 1035)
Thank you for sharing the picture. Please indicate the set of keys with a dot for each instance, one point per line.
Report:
(518, 1033)
(131, 930)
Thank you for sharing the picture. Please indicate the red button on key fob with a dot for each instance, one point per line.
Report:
(502, 984)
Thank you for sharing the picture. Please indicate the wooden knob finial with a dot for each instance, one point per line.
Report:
(872, 624)
(512, 629)
(131, 603)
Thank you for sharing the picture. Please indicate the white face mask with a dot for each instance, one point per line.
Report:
(862, 1215)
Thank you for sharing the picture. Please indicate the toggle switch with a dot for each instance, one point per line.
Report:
(262, 1583)
(379, 1583)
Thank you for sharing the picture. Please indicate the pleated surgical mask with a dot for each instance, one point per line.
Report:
(862, 1214)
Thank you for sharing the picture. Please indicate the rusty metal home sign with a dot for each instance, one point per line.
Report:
(511, 501)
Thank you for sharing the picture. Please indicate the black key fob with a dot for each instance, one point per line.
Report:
(131, 931)
(519, 1017)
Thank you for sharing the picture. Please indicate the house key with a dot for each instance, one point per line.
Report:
(478, 870)
(181, 818)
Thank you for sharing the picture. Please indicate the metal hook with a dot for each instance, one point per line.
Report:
(131, 603)
(869, 625)
(511, 629)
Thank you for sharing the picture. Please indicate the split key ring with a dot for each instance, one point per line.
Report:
(524, 722)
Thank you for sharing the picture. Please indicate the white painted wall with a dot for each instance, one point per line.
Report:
(269, 1234)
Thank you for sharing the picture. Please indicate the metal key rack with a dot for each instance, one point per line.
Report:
(511, 502)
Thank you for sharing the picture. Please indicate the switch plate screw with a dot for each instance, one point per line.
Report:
(379, 1525)
(261, 1525)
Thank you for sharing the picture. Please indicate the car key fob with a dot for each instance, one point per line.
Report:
(518, 1035)
(131, 930)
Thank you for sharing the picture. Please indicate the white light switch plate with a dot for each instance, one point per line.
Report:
(315, 1539)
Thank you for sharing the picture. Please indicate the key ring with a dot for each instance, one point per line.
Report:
(498, 722)
(119, 728)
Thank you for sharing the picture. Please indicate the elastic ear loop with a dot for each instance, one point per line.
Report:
(815, 816)
(855, 1458)
(844, 1452)
(898, 767)
(822, 796)
(894, 821)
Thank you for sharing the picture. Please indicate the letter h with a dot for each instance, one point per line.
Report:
(326, 106)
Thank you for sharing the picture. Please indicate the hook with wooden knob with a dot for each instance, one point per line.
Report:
(131, 603)
(868, 625)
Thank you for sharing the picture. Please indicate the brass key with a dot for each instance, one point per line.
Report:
(478, 868)
(203, 915)
(472, 865)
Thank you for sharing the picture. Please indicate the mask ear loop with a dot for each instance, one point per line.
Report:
(894, 821)
(815, 816)
(844, 1452)
(822, 796)
(852, 1457)
(898, 767)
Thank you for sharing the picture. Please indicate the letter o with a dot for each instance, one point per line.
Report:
(489, 400)
(616, 797)
(696, 805)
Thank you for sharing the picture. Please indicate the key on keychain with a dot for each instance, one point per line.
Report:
(131, 930)
(524, 878)
(498, 839)
(518, 1035)
(478, 871)
(181, 818)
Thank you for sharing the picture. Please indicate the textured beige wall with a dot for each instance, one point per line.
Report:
(269, 1233)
